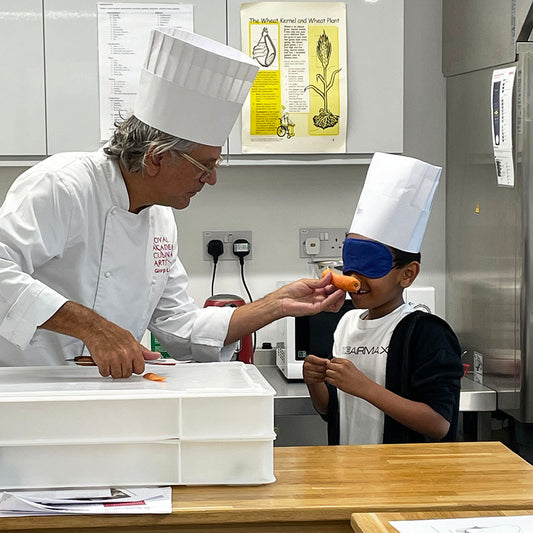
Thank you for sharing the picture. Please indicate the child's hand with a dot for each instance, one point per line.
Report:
(314, 369)
(344, 375)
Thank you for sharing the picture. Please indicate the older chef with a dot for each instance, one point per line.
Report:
(88, 241)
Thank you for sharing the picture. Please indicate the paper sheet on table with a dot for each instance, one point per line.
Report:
(129, 500)
(486, 524)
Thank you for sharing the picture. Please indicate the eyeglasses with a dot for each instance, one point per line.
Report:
(206, 172)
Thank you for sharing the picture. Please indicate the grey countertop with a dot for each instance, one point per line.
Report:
(476, 397)
(292, 397)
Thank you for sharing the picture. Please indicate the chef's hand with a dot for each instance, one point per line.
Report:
(310, 296)
(314, 369)
(299, 298)
(344, 375)
(114, 350)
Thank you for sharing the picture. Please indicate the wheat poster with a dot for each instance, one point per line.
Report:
(298, 102)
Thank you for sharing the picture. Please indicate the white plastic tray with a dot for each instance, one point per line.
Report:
(66, 405)
(171, 462)
(68, 426)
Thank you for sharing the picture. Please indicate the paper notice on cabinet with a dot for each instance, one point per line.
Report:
(487, 524)
(502, 118)
(298, 102)
(123, 36)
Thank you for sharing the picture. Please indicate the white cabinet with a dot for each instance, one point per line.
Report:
(22, 105)
(55, 42)
(71, 52)
(60, 36)
(71, 56)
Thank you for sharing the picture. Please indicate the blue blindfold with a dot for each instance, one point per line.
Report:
(368, 258)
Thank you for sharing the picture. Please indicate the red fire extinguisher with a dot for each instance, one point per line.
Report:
(245, 351)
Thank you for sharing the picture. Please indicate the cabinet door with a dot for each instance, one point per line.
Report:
(71, 53)
(22, 111)
(71, 75)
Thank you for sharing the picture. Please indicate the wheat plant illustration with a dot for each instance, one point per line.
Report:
(325, 118)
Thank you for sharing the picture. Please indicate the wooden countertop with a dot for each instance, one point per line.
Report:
(379, 523)
(319, 487)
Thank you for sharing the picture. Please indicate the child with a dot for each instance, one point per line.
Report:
(395, 373)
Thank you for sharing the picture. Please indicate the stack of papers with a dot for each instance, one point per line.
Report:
(87, 501)
(485, 524)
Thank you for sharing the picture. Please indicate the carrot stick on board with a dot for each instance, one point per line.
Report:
(346, 283)
(153, 377)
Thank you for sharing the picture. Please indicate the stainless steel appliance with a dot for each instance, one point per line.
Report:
(489, 229)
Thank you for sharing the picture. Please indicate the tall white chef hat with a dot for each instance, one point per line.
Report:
(192, 87)
(396, 200)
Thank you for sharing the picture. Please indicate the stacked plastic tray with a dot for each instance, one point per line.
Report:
(209, 423)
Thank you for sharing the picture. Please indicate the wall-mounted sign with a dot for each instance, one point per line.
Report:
(123, 33)
(501, 119)
(298, 103)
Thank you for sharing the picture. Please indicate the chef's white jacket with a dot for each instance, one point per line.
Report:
(66, 234)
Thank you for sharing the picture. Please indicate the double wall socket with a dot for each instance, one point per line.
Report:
(227, 238)
(321, 243)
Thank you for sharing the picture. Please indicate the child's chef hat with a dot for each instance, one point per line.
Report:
(396, 200)
(192, 87)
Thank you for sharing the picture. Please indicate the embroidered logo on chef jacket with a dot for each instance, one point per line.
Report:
(364, 350)
(163, 253)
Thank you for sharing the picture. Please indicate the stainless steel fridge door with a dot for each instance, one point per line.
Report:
(484, 244)
(524, 157)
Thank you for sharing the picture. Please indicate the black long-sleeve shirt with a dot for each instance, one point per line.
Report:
(423, 365)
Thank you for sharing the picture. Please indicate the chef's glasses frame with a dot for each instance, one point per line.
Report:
(206, 171)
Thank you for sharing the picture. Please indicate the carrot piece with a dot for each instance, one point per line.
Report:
(153, 377)
(346, 283)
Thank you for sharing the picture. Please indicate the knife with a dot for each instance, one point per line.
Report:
(87, 360)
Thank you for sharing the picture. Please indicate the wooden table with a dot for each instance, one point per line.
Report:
(379, 522)
(318, 489)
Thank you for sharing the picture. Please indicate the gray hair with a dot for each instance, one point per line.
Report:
(133, 139)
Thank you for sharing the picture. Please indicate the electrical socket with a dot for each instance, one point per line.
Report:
(227, 238)
(321, 243)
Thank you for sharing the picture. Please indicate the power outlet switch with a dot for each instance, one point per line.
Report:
(312, 246)
(227, 238)
(321, 243)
